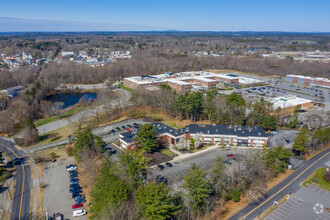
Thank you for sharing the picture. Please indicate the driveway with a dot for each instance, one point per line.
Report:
(57, 198)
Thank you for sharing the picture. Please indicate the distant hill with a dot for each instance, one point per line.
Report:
(38, 25)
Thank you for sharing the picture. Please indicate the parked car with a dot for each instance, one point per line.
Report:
(129, 126)
(287, 141)
(161, 179)
(118, 128)
(123, 127)
(79, 197)
(73, 176)
(73, 172)
(73, 185)
(161, 167)
(227, 147)
(72, 168)
(127, 129)
(75, 190)
(71, 165)
(230, 155)
(112, 131)
(79, 201)
(168, 164)
(75, 206)
(227, 162)
(75, 181)
(74, 195)
(79, 213)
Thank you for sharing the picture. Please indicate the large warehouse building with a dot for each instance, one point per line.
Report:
(308, 81)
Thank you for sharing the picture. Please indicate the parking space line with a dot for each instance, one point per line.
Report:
(293, 204)
(286, 208)
(280, 213)
(282, 209)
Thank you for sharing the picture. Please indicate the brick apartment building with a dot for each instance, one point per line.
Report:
(241, 136)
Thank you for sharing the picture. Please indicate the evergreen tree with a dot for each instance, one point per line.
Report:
(198, 189)
(146, 138)
(299, 142)
(156, 201)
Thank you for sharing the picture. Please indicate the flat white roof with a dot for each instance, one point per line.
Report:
(225, 76)
(204, 79)
(288, 101)
(245, 80)
(176, 81)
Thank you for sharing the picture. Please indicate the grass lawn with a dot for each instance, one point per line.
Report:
(63, 133)
(69, 113)
(126, 88)
(321, 181)
(168, 153)
(171, 124)
(199, 149)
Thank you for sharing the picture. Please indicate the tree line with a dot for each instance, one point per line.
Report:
(218, 108)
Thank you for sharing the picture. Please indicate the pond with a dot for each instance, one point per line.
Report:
(69, 99)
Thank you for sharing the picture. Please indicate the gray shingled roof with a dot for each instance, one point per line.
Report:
(240, 131)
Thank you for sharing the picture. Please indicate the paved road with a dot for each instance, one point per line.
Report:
(21, 201)
(289, 185)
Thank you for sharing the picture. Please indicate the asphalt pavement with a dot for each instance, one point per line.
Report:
(21, 200)
(287, 186)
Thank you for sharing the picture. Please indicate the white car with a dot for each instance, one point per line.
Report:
(78, 213)
(72, 168)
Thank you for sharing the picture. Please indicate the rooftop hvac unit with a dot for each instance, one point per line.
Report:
(259, 133)
(171, 131)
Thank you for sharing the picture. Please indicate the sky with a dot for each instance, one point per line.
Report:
(183, 15)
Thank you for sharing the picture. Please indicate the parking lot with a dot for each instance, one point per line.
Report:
(110, 132)
(57, 198)
(204, 160)
(307, 203)
(283, 137)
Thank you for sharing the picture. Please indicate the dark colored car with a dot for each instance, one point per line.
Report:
(74, 188)
(161, 179)
(287, 141)
(74, 181)
(73, 176)
(118, 128)
(129, 126)
(227, 162)
(74, 195)
(123, 127)
(73, 184)
(113, 152)
(161, 167)
(168, 164)
(134, 123)
(112, 131)
(75, 206)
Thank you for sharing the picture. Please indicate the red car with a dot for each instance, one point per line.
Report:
(127, 129)
(229, 154)
(77, 206)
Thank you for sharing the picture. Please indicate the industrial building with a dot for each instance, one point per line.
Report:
(235, 135)
(308, 81)
(289, 103)
(186, 81)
